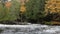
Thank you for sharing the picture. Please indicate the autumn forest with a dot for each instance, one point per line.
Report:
(30, 11)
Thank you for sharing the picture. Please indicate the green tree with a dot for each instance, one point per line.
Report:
(10, 14)
(35, 9)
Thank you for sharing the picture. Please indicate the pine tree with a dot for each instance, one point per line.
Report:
(11, 13)
(35, 9)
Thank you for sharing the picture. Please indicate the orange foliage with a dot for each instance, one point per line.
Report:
(8, 4)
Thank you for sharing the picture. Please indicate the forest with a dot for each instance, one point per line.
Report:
(30, 11)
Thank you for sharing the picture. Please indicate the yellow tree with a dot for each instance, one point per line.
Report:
(53, 5)
(23, 8)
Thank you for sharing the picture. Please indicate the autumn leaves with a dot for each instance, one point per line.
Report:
(22, 5)
(8, 4)
(53, 6)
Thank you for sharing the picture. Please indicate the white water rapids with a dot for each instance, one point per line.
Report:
(29, 29)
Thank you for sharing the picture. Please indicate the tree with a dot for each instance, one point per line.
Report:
(11, 13)
(35, 9)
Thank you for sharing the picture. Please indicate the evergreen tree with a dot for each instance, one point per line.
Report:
(35, 9)
(9, 14)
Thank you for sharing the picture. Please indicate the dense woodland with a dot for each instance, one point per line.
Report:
(29, 11)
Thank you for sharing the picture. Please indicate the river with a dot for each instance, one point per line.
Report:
(29, 29)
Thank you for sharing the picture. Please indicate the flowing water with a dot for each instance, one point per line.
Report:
(29, 29)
